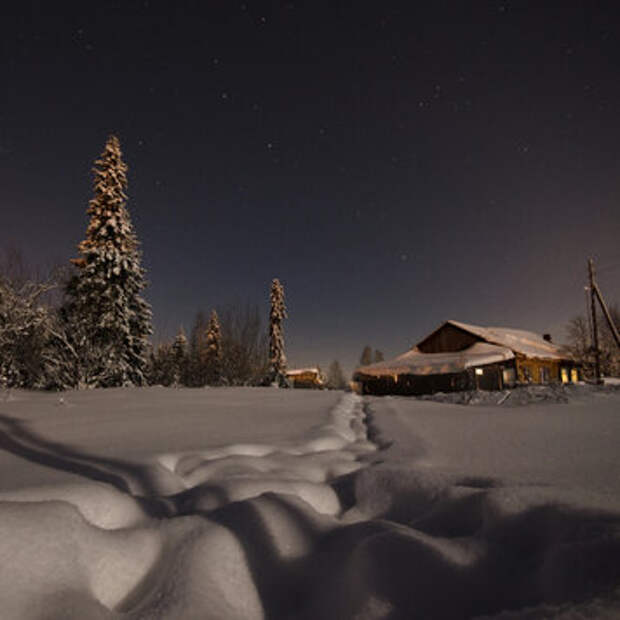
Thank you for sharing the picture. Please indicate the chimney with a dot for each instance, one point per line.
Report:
(547, 337)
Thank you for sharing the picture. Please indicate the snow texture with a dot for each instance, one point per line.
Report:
(256, 503)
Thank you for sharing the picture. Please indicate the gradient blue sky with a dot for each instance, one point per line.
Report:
(393, 165)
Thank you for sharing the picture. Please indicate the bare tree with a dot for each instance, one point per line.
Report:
(580, 344)
(244, 344)
(335, 377)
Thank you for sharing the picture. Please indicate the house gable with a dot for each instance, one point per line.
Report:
(448, 338)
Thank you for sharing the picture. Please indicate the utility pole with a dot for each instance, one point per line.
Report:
(607, 314)
(597, 354)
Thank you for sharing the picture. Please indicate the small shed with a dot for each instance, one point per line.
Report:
(460, 356)
(310, 378)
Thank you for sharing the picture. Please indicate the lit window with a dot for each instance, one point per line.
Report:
(479, 371)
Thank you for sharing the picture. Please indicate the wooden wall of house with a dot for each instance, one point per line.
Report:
(414, 385)
(447, 338)
(490, 379)
(534, 370)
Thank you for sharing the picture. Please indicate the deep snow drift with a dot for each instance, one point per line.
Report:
(261, 503)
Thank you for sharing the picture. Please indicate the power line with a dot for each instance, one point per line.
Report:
(608, 267)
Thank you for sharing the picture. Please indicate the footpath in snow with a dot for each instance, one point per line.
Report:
(250, 503)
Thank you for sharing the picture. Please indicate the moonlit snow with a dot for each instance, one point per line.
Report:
(250, 503)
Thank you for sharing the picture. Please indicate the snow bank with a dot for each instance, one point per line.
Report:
(477, 512)
(48, 549)
(100, 504)
(523, 395)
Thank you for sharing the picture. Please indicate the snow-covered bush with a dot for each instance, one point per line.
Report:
(35, 351)
(23, 333)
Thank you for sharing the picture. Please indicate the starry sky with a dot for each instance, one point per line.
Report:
(394, 165)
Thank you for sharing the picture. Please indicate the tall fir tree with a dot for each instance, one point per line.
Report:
(277, 314)
(213, 351)
(110, 320)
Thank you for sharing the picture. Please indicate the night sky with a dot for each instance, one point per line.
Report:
(394, 166)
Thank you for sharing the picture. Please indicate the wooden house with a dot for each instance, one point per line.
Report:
(311, 378)
(459, 356)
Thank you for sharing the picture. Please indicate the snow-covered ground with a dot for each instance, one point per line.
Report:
(262, 503)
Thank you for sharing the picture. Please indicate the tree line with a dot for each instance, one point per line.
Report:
(231, 347)
(89, 326)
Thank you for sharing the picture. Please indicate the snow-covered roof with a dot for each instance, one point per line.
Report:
(414, 362)
(518, 340)
(302, 371)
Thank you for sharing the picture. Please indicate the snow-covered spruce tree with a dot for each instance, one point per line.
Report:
(277, 314)
(213, 350)
(109, 318)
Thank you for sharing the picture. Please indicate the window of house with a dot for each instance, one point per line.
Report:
(509, 377)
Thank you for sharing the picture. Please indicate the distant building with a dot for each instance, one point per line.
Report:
(306, 378)
(458, 356)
